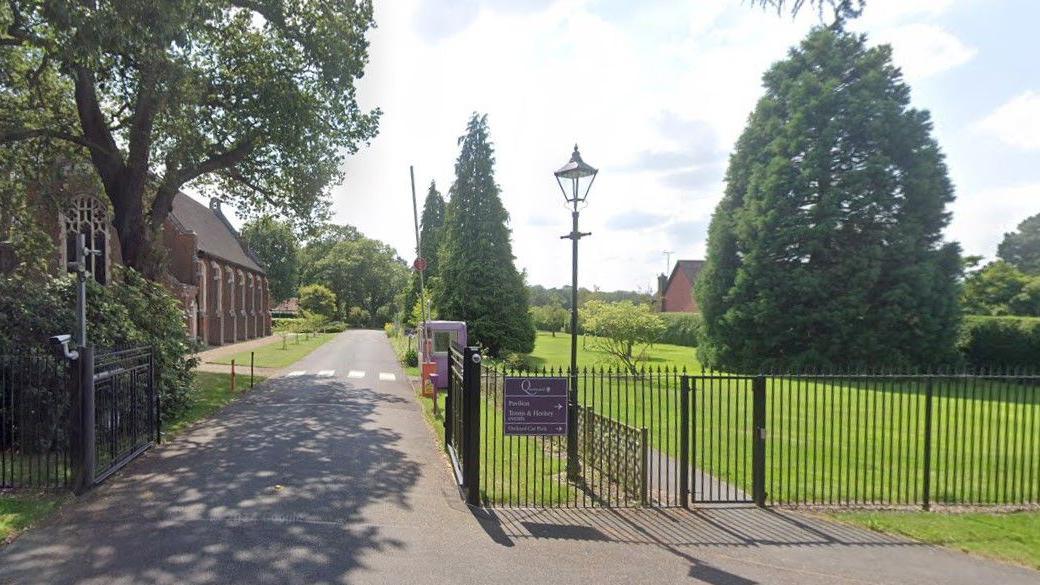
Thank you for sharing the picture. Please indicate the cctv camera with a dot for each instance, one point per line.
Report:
(61, 347)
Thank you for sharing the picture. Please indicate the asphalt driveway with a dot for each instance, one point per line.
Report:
(328, 474)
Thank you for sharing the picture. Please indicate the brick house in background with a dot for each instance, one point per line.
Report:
(222, 288)
(675, 292)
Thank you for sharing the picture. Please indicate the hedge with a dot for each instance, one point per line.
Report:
(1000, 342)
(681, 328)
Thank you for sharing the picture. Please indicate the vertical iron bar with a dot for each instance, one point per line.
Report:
(684, 443)
(758, 453)
(927, 479)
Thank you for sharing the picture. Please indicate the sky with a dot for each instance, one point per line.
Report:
(655, 94)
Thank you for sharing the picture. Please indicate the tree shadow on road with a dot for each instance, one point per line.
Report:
(273, 490)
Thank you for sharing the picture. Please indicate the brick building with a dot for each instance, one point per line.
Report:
(218, 281)
(675, 292)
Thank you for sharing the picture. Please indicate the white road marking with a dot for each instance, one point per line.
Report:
(387, 377)
(295, 374)
(356, 374)
(326, 373)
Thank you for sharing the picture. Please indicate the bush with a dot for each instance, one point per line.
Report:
(318, 300)
(358, 317)
(285, 324)
(130, 311)
(334, 327)
(1000, 342)
(411, 358)
(681, 328)
(515, 361)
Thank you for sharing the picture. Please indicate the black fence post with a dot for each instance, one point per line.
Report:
(153, 396)
(83, 430)
(758, 452)
(471, 425)
(449, 397)
(927, 480)
(684, 443)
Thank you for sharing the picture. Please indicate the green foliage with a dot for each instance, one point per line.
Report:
(318, 299)
(130, 311)
(550, 318)
(358, 317)
(541, 296)
(623, 330)
(276, 246)
(479, 283)
(411, 358)
(681, 328)
(1021, 247)
(826, 249)
(1001, 289)
(1002, 342)
(430, 237)
(254, 100)
(363, 273)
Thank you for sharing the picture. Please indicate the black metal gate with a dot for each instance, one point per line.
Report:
(727, 415)
(462, 422)
(125, 409)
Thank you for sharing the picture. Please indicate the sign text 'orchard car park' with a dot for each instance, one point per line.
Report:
(535, 406)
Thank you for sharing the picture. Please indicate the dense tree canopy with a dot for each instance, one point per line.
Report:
(827, 248)
(363, 273)
(255, 99)
(317, 299)
(1022, 246)
(1001, 289)
(479, 282)
(276, 246)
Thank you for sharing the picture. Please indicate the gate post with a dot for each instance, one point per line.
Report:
(927, 479)
(758, 450)
(81, 415)
(684, 443)
(471, 424)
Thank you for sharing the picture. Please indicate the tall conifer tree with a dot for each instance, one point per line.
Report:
(478, 281)
(430, 240)
(826, 249)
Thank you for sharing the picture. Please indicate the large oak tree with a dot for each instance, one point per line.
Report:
(253, 99)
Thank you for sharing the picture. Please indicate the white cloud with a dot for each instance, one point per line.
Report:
(980, 219)
(923, 50)
(1016, 122)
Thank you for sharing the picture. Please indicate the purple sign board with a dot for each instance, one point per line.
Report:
(535, 406)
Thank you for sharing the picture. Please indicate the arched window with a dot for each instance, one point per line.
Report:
(88, 216)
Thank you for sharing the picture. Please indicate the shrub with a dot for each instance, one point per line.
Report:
(318, 299)
(515, 361)
(411, 358)
(130, 311)
(1000, 342)
(358, 317)
(681, 328)
(285, 324)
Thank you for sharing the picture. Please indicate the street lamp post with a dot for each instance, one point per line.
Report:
(579, 177)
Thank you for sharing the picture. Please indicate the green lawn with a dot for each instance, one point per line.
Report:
(212, 392)
(280, 353)
(831, 441)
(1013, 537)
(20, 511)
(555, 352)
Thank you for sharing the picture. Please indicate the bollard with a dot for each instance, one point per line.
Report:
(251, 356)
(232, 376)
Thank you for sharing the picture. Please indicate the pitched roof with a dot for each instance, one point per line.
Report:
(215, 235)
(288, 306)
(690, 268)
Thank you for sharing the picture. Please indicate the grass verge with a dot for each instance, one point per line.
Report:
(401, 344)
(22, 510)
(279, 353)
(1013, 537)
(555, 352)
(212, 393)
